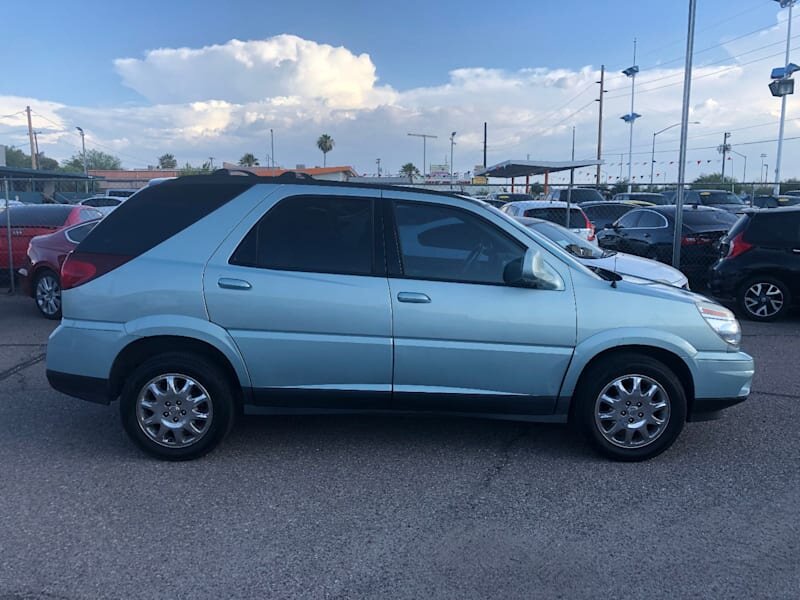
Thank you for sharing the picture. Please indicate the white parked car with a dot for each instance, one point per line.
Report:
(628, 266)
(105, 204)
(554, 212)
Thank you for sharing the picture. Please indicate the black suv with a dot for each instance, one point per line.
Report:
(760, 264)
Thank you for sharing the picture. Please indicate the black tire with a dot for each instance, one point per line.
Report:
(748, 312)
(221, 412)
(604, 372)
(41, 277)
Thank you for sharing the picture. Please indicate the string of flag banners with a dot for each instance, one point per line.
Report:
(663, 162)
(589, 173)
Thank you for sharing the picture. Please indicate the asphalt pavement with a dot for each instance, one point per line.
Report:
(357, 507)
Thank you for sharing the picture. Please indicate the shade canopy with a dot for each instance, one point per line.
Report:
(521, 168)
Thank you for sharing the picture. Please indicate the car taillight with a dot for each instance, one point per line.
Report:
(80, 268)
(690, 240)
(590, 227)
(738, 246)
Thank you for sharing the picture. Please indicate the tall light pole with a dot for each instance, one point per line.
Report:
(272, 148)
(631, 117)
(424, 137)
(744, 171)
(786, 74)
(378, 162)
(653, 152)
(83, 146)
(687, 94)
(452, 143)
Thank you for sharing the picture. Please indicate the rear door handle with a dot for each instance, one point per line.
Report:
(233, 284)
(413, 297)
(796, 250)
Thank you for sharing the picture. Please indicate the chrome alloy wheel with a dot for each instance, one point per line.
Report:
(48, 294)
(174, 410)
(763, 299)
(632, 411)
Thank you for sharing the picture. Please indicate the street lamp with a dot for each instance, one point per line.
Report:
(653, 153)
(83, 145)
(424, 137)
(744, 171)
(782, 86)
(631, 117)
(452, 143)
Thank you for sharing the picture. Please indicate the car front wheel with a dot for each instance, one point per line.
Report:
(177, 406)
(631, 407)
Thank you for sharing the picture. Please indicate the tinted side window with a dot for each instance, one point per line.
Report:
(651, 219)
(631, 219)
(774, 229)
(448, 244)
(318, 234)
(77, 234)
(159, 212)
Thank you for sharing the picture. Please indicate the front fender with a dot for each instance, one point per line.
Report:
(589, 348)
(193, 328)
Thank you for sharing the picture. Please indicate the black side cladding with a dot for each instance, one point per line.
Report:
(157, 213)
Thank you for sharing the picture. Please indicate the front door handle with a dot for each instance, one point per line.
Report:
(413, 297)
(233, 284)
(796, 250)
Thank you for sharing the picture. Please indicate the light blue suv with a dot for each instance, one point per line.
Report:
(205, 297)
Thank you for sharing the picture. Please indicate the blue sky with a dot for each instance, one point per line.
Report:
(64, 55)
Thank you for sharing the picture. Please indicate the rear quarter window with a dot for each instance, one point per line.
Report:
(767, 229)
(159, 212)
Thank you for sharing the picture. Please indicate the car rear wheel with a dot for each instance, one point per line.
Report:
(630, 407)
(177, 406)
(47, 294)
(764, 299)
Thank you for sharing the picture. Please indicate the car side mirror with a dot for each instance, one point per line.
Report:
(533, 272)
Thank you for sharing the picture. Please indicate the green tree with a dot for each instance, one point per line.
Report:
(167, 161)
(95, 160)
(18, 159)
(714, 182)
(325, 143)
(790, 185)
(248, 160)
(409, 170)
(189, 169)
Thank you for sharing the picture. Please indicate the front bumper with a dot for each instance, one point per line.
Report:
(721, 380)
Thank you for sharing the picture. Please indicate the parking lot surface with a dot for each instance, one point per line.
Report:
(367, 507)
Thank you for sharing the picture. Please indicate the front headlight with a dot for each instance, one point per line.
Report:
(722, 321)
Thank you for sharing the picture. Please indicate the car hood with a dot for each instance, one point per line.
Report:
(641, 269)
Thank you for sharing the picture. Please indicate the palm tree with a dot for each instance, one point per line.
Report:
(248, 160)
(167, 161)
(409, 170)
(325, 143)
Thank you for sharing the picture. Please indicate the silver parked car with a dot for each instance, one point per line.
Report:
(634, 268)
(207, 296)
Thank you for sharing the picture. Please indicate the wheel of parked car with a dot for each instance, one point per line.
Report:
(764, 299)
(630, 406)
(47, 293)
(177, 406)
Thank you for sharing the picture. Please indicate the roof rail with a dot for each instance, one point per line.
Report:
(294, 176)
(233, 172)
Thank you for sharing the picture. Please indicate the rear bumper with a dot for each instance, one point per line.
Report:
(92, 389)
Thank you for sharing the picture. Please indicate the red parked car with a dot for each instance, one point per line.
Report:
(40, 277)
(30, 220)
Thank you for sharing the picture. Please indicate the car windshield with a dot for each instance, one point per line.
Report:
(712, 198)
(511, 197)
(570, 242)
(557, 214)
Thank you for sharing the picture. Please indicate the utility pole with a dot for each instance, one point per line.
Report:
(211, 163)
(600, 120)
(34, 158)
(424, 137)
(36, 144)
(484, 144)
(761, 173)
(378, 162)
(724, 149)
